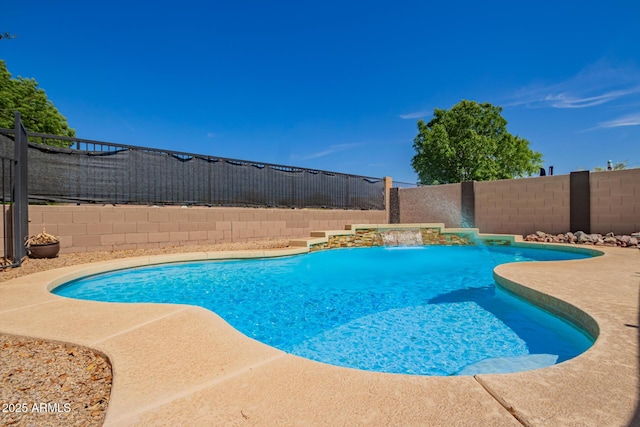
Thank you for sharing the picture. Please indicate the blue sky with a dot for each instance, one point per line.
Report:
(335, 85)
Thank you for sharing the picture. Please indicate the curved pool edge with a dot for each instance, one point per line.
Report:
(149, 342)
(85, 270)
(601, 295)
(548, 302)
(556, 306)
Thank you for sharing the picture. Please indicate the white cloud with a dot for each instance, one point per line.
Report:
(211, 135)
(595, 85)
(416, 115)
(329, 150)
(628, 120)
(128, 126)
(564, 100)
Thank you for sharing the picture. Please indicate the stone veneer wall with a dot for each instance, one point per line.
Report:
(369, 237)
(92, 228)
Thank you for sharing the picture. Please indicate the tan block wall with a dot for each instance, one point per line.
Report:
(93, 228)
(615, 201)
(435, 203)
(519, 206)
(523, 206)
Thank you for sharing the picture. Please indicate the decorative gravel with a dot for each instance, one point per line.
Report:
(30, 266)
(44, 383)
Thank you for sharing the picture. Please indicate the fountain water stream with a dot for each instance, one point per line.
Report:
(401, 237)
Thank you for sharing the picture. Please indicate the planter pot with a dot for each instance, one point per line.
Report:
(47, 250)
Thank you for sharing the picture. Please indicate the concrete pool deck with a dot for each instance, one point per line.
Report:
(184, 365)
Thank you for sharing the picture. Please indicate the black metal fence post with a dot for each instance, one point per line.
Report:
(7, 220)
(20, 192)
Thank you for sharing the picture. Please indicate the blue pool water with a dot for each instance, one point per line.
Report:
(432, 310)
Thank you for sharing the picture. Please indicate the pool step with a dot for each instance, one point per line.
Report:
(327, 233)
(318, 237)
(306, 242)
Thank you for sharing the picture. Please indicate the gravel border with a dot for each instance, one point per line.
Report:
(49, 383)
(30, 266)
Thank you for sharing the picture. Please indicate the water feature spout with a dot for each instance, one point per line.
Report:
(401, 237)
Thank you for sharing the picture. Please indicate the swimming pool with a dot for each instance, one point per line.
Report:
(427, 310)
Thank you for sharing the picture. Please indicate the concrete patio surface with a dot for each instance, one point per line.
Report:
(184, 365)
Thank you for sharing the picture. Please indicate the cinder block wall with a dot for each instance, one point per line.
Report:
(93, 228)
(523, 206)
(437, 203)
(514, 206)
(615, 201)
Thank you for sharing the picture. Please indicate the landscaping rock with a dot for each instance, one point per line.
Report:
(583, 237)
(580, 237)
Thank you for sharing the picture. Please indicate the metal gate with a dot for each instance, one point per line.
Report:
(14, 192)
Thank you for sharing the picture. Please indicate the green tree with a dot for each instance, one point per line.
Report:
(470, 142)
(37, 112)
